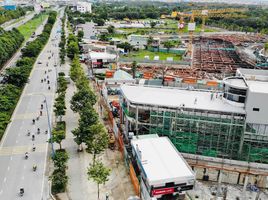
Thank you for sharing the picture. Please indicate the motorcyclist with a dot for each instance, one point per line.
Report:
(41, 106)
(28, 133)
(33, 137)
(34, 147)
(21, 191)
(47, 81)
(49, 87)
(46, 132)
(38, 130)
(33, 121)
(41, 80)
(34, 167)
(26, 155)
(41, 112)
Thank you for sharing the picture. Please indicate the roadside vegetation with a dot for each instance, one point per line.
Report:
(16, 77)
(90, 131)
(10, 41)
(29, 27)
(63, 40)
(7, 15)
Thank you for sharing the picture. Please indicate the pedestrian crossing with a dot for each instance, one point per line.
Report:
(17, 150)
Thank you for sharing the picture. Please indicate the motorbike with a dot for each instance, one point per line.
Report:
(33, 121)
(34, 148)
(34, 168)
(38, 130)
(26, 156)
(21, 191)
(32, 137)
(28, 133)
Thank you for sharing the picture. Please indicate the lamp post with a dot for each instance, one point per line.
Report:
(49, 124)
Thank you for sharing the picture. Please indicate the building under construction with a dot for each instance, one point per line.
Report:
(228, 124)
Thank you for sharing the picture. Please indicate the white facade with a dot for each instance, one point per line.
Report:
(83, 7)
(138, 41)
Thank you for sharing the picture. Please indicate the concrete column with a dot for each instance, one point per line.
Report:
(137, 120)
(219, 184)
(245, 187)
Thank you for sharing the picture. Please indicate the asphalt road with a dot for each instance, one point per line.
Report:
(15, 171)
(9, 25)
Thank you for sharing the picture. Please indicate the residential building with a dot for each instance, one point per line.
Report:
(83, 7)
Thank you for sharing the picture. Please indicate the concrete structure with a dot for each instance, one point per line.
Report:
(230, 123)
(163, 170)
(89, 30)
(83, 7)
(99, 59)
(138, 41)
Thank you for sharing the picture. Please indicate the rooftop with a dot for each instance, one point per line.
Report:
(174, 98)
(237, 82)
(159, 167)
(101, 55)
(258, 86)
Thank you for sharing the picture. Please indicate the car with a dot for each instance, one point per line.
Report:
(39, 62)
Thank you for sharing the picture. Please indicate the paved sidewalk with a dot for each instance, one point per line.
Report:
(79, 187)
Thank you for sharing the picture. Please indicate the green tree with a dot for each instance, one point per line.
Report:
(80, 35)
(126, 46)
(72, 49)
(150, 41)
(58, 136)
(99, 174)
(59, 106)
(103, 37)
(98, 141)
(266, 47)
(152, 24)
(134, 68)
(110, 29)
(168, 44)
(82, 98)
(60, 159)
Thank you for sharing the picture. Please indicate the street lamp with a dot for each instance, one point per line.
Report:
(49, 124)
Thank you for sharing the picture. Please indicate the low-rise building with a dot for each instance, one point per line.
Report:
(89, 30)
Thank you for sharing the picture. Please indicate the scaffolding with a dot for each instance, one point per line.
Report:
(206, 133)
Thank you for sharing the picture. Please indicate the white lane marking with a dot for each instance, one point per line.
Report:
(1, 192)
(8, 168)
(11, 158)
(16, 141)
(22, 178)
(5, 179)
(24, 166)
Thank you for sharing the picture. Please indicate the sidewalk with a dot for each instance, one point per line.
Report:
(119, 186)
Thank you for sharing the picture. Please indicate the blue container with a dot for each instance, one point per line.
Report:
(9, 7)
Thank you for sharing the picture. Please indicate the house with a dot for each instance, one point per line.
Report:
(99, 59)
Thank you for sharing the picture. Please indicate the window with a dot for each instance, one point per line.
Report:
(256, 109)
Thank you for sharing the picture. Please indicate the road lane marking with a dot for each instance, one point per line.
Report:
(24, 166)
(1, 192)
(5, 179)
(22, 177)
(11, 158)
(16, 141)
(8, 168)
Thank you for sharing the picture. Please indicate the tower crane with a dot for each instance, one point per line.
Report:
(204, 15)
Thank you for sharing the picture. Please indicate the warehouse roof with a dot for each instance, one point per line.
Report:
(161, 162)
(175, 98)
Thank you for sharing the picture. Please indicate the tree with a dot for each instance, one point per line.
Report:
(80, 35)
(58, 136)
(126, 46)
(99, 173)
(72, 49)
(99, 22)
(81, 98)
(103, 37)
(152, 24)
(134, 69)
(168, 44)
(110, 29)
(60, 158)
(266, 47)
(98, 141)
(59, 106)
(150, 41)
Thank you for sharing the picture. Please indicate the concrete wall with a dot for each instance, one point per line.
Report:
(260, 101)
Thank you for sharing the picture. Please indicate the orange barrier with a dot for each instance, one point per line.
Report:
(109, 74)
(169, 78)
(134, 180)
(147, 75)
(189, 80)
(212, 83)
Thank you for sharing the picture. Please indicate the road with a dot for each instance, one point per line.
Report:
(9, 25)
(15, 171)
(17, 55)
